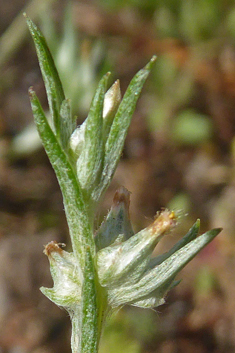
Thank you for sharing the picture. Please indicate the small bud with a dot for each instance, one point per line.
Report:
(117, 221)
(77, 139)
(112, 100)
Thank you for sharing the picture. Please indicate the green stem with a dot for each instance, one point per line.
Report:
(94, 304)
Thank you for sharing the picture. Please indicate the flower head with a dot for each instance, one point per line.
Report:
(125, 266)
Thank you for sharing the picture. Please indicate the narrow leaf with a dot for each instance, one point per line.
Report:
(120, 125)
(76, 212)
(55, 93)
(67, 124)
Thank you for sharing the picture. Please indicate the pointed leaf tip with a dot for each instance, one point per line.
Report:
(31, 92)
(151, 62)
(54, 89)
(215, 231)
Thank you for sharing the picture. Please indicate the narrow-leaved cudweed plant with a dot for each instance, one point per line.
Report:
(112, 266)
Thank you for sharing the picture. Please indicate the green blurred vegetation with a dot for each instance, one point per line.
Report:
(191, 21)
(129, 330)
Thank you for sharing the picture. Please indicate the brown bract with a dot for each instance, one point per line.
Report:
(122, 195)
(52, 247)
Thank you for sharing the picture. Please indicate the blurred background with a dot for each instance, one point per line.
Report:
(179, 153)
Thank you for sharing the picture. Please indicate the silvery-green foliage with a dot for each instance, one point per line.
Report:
(112, 266)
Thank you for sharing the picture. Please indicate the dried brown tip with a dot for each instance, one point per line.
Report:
(164, 222)
(122, 195)
(52, 247)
